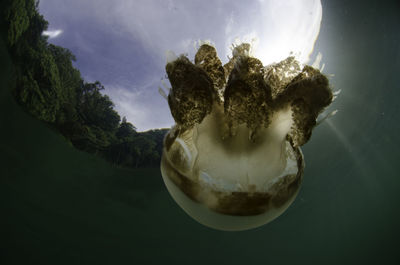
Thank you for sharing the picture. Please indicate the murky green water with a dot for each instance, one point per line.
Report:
(62, 206)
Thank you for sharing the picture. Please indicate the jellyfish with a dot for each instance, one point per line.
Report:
(232, 161)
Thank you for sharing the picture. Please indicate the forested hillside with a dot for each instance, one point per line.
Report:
(47, 86)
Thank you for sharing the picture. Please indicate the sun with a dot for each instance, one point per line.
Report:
(279, 29)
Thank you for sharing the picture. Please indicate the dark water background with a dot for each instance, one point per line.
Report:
(62, 206)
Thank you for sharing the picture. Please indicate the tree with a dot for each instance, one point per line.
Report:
(38, 87)
(47, 86)
(17, 15)
(157, 136)
(142, 150)
(126, 131)
(96, 109)
(70, 82)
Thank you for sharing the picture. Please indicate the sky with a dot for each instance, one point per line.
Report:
(123, 43)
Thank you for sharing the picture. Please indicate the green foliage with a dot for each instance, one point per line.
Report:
(96, 109)
(48, 86)
(38, 88)
(34, 99)
(157, 136)
(137, 151)
(18, 14)
(126, 131)
(70, 83)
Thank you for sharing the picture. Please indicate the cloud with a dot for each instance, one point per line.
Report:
(141, 106)
(277, 28)
(52, 33)
(123, 43)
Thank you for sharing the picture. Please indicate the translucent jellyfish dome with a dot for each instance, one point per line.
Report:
(233, 160)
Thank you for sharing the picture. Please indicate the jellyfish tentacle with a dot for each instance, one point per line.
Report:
(206, 58)
(327, 116)
(279, 75)
(191, 96)
(308, 94)
(247, 97)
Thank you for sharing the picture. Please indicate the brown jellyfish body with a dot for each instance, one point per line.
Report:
(233, 160)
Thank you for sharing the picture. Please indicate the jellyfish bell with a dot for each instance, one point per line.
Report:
(233, 160)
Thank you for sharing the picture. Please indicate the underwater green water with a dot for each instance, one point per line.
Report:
(62, 206)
